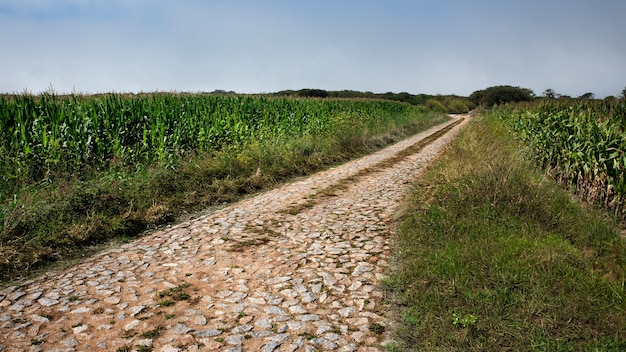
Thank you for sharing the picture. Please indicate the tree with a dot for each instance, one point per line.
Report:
(588, 95)
(624, 93)
(550, 93)
(500, 95)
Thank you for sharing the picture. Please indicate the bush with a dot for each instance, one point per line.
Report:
(435, 105)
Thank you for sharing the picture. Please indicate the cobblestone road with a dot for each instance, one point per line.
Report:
(293, 269)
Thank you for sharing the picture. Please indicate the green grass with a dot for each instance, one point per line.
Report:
(492, 256)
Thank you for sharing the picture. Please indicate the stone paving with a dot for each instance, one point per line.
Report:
(297, 268)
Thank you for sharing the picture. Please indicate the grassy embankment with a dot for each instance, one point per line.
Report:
(491, 255)
(79, 171)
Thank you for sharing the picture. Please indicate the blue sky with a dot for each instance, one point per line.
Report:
(255, 46)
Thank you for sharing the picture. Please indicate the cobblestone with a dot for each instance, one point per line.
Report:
(293, 269)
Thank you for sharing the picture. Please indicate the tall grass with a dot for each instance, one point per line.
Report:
(582, 143)
(492, 256)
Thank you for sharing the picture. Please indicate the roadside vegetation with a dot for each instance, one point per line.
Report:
(79, 171)
(581, 143)
(492, 255)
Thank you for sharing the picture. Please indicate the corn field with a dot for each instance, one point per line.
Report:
(47, 135)
(581, 143)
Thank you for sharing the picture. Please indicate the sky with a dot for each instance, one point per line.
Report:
(261, 46)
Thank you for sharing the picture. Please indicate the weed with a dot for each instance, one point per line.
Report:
(151, 334)
(240, 246)
(170, 296)
(307, 335)
(36, 342)
(166, 303)
(129, 333)
(377, 328)
(464, 321)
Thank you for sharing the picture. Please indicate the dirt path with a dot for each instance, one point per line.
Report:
(293, 269)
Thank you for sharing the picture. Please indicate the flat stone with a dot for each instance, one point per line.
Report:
(362, 268)
(224, 294)
(323, 328)
(81, 310)
(316, 288)
(308, 317)
(348, 348)
(71, 342)
(274, 310)
(112, 300)
(236, 297)
(80, 329)
(39, 318)
(279, 337)
(257, 300)
(8, 290)
(15, 295)
(308, 297)
(133, 324)
(295, 325)
(332, 337)
(33, 296)
(347, 312)
(264, 323)
(207, 333)
(275, 300)
(136, 310)
(200, 320)
(323, 343)
(17, 307)
(278, 280)
(355, 286)
(296, 344)
(329, 280)
(234, 339)
(169, 348)
(297, 310)
(272, 346)
(242, 329)
(181, 329)
(143, 342)
(233, 349)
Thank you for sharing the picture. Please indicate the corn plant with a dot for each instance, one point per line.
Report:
(582, 143)
(49, 136)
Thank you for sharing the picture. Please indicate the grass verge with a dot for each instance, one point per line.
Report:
(492, 256)
(47, 223)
